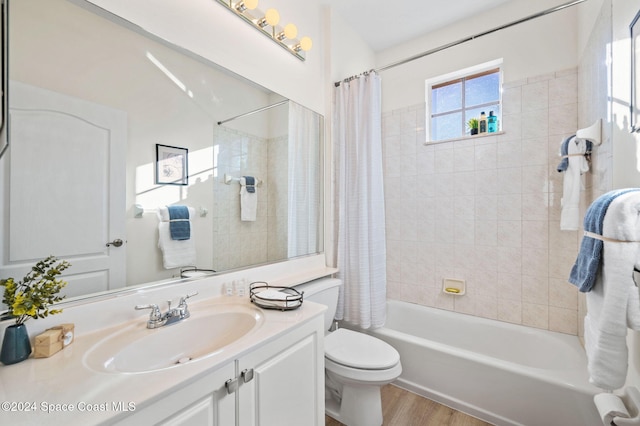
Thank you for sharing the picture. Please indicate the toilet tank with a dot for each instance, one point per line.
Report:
(324, 291)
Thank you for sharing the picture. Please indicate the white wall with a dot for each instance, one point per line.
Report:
(537, 47)
(350, 55)
(626, 146)
(209, 30)
(587, 15)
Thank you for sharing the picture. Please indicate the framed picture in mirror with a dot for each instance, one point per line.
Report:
(172, 165)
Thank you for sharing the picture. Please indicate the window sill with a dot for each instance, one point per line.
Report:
(464, 138)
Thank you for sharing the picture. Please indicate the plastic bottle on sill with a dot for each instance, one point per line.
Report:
(492, 123)
(482, 123)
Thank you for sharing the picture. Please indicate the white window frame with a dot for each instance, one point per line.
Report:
(476, 69)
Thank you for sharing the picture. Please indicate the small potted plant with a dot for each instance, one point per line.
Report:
(29, 298)
(472, 124)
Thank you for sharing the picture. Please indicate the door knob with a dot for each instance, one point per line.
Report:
(117, 243)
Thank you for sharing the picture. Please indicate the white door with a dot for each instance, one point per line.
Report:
(67, 188)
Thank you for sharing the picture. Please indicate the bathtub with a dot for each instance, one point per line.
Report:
(502, 373)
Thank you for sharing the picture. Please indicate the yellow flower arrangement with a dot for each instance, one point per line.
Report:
(31, 297)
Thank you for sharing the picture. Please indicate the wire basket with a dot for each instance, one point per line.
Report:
(195, 272)
(267, 296)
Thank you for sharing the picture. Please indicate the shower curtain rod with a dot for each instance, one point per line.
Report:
(484, 33)
(254, 111)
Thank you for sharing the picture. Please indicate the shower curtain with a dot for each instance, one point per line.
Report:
(361, 250)
(303, 181)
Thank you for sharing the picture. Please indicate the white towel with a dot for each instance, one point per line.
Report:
(248, 203)
(175, 253)
(613, 303)
(578, 164)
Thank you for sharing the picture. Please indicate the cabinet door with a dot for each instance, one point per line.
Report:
(200, 413)
(287, 388)
(203, 402)
(216, 409)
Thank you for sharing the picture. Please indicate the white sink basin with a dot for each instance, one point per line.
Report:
(137, 349)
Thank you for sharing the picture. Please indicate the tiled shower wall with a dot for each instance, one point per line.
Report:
(485, 210)
(594, 86)
(238, 243)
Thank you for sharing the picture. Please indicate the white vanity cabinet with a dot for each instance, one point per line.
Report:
(284, 386)
(279, 383)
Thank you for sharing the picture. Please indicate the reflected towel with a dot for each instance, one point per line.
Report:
(613, 305)
(179, 224)
(175, 253)
(248, 202)
(250, 183)
(585, 270)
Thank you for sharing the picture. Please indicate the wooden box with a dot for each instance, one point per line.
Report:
(67, 333)
(48, 343)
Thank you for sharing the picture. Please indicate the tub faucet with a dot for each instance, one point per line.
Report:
(158, 319)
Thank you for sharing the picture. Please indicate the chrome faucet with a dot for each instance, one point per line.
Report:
(158, 319)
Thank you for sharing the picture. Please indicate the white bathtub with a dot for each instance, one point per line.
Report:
(502, 373)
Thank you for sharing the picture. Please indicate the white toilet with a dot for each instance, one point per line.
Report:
(356, 364)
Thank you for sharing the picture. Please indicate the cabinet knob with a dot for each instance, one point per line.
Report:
(231, 385)
(247, 375)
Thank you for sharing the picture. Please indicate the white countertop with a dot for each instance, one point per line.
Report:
(63, 383)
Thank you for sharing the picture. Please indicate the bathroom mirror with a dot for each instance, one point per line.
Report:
(91, 97)
(4, 143)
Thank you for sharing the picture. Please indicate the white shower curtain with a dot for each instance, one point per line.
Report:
(303, 181)
(361, 251)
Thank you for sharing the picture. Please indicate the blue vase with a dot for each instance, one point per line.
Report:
(16, 346)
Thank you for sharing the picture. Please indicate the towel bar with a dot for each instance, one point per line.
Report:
(228, 179)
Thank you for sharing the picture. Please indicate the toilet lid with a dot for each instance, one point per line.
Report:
(359, 350)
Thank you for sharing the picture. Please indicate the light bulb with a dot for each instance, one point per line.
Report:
(272, 17)
(243, 5)
(305, 43)
(290, 31)
(251, 4)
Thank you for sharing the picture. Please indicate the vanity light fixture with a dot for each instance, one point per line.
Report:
(271, 17)
(267, 24)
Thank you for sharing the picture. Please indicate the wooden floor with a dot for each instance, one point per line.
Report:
(403, 408)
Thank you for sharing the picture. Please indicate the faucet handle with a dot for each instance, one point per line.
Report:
(183, 300)
(155, 311)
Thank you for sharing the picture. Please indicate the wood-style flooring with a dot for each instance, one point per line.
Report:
(404, 408)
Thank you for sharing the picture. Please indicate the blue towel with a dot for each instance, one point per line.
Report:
(250, 183)
(585, 270)
(564, 151)
(179, 225)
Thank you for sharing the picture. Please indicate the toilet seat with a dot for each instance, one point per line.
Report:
(358, 350)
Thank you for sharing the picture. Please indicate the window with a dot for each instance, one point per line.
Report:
(455, 98)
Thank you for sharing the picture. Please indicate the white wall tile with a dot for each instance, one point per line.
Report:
(534, 315)
(535, 96)
(486, 210)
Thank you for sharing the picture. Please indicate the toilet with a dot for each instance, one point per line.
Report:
(356, 365)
